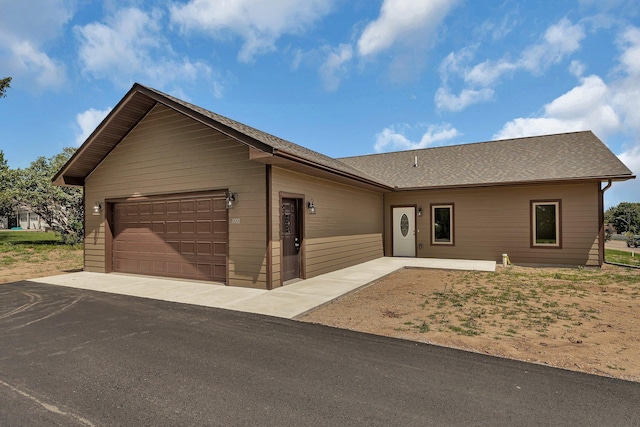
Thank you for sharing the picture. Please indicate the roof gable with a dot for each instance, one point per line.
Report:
(137, 103)
(571, 156)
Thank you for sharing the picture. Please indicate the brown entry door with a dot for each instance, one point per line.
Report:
(291, 240)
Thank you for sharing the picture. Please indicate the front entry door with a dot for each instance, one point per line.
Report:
(290, 225)
(404, 231)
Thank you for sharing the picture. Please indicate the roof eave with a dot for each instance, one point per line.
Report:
(301, 160)
(533, 182)
(59, 178)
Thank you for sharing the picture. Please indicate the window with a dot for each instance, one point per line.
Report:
(545, 224)
(442, 224)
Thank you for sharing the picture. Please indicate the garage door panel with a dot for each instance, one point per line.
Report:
(220, 248)
(204, 248)
(183, 238)
(187, 248)
(204, 206)
(173, 227)
(187, 206)
(172, 207)
(187, 227)
(204, 226)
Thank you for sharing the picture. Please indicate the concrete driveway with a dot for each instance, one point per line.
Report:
(287, 301)
(73, 357)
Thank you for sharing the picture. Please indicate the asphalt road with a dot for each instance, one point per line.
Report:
(73, 357)
(621, 245)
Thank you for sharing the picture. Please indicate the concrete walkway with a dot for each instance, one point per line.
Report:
(287, 301)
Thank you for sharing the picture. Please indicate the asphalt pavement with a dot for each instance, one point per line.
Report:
(77, 357)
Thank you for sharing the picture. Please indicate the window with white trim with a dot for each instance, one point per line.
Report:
(442, 224)
(545, 224)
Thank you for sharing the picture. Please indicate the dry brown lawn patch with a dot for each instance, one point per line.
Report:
(579, 319)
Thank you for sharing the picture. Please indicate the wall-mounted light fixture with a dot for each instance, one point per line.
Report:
(231, 199)
(419, 211)
(97, 208)
(312, 207)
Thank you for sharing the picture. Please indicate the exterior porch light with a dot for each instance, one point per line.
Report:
(419, 211)
(97, 208)
(312, 207)
(231, 198)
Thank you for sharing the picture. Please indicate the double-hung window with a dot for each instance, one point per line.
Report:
(545, 224)
(442, 224)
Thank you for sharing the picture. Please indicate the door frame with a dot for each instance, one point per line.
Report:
(301, 202)
(415, 224)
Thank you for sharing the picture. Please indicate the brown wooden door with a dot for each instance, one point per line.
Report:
(182, 237)
(291, 239)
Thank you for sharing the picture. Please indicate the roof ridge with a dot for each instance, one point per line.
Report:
(466, 144)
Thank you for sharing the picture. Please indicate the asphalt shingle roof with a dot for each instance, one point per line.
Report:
(568, 156)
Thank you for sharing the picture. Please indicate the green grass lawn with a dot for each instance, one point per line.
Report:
(30, 237)
(622, 257)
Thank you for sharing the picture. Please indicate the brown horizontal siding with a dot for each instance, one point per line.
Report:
(492, 221)
(346, 230)
(168, 153)
(329, 254)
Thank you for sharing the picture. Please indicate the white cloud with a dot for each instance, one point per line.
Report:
(88, 121)
(334, 67)
(129, 46)
(627, 191)
(389, 139)
(630, 58)
(46, 72)
(23, 34)
(577, 68)
(259, 23)
(403, 21)
(560, 40)
(585, 107)
(604, 108)
(447, 101)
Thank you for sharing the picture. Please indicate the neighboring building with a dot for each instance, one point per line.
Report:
(179, 191)
(23, 219)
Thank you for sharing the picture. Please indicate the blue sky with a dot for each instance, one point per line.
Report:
(342, 77)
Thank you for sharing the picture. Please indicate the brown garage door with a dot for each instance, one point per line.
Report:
(182, 237)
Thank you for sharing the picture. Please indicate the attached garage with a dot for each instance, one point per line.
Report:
(182, 236)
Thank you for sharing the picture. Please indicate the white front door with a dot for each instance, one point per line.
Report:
(404, 231)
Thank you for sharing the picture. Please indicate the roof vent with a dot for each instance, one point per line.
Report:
(415, 161)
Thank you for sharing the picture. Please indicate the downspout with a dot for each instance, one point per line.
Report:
(601, 221)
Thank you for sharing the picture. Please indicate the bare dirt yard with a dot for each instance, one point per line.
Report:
(579, 319)
(30, 263)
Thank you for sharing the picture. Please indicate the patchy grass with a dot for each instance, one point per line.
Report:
(29, 254)
(623, 257)
(580, 319)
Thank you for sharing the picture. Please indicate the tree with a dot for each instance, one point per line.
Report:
(625, 217)
(7, 187)
(60, 207)
(4, 85)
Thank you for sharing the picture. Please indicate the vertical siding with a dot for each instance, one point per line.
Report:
(346, 230)
(491, 221)
(170, 153)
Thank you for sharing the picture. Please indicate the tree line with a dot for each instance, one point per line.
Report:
(31, 189)
(625, 217)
